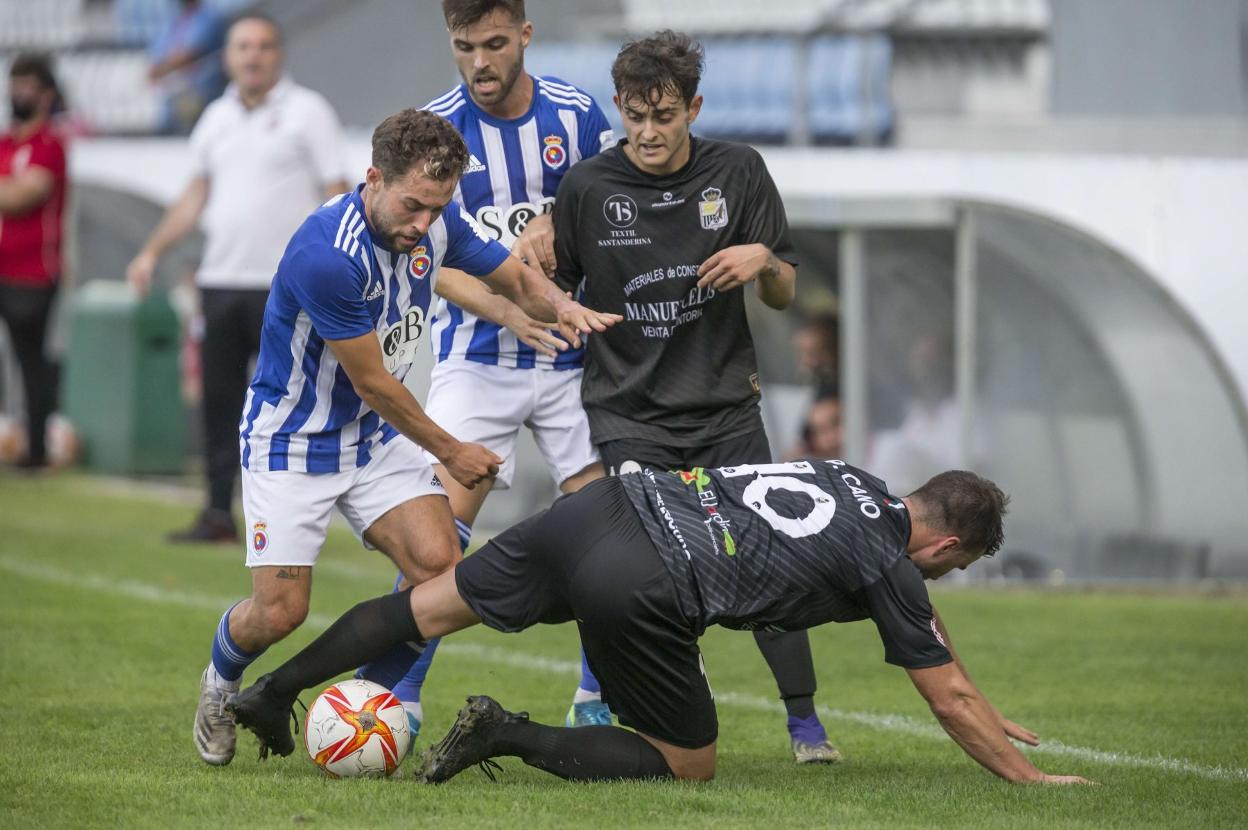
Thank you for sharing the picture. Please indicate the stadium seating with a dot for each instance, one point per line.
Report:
(749, 88)
(713, 17)
(109, 90)
(46, 24)
(849, 100)
(583, 64)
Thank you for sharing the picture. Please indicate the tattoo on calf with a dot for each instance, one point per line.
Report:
(290, 573)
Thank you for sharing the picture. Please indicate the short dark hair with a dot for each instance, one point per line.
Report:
(666, 62)
(263, 18)
(966, 505)
(412, 137)
(462, 13)
(36, 65)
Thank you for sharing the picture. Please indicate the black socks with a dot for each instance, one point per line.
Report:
(586, 753)
(788, 656)
(359, 636)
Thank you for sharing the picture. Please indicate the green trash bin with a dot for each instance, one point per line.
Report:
(122, 388)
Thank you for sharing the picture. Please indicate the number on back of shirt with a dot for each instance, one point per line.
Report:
(772, 477)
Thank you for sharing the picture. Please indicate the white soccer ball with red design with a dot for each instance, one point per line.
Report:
(356, 728)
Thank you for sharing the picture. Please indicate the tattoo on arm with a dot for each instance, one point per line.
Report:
(290, 573)
(771, 268)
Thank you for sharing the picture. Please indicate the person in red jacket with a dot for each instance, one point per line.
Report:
(32, 200)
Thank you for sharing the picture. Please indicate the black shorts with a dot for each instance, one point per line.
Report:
(588, 559)
(750, 448)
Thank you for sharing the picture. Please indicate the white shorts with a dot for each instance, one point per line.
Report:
(288, 512)
(488, 404)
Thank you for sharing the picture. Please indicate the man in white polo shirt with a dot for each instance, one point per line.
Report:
(266, 153)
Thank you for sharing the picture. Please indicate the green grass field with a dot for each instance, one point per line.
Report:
(106, 630)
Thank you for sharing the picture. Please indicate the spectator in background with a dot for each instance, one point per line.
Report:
(817, 345)
(32, 200)
(186, 65)
(823, 435)
(266, 154)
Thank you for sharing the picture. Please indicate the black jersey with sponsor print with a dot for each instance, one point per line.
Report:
(680, 368)
(790, 546)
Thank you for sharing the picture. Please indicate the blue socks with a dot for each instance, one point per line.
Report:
(403, 669)
(589, 688)
(228, 659)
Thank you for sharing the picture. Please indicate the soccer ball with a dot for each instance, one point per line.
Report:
(356, 728)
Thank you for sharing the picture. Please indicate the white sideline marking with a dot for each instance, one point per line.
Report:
(549, 665)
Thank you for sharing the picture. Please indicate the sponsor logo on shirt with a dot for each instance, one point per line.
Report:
(668, 519)
(376, 291)
(669, 200)
(713, 209)
(474, 165)
(420, 262)
(506, 225)
(554, 155)
(399, 341)
(716, 523)
(620, 210)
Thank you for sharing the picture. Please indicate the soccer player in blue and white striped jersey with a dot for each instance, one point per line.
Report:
(328, 421)
(523, 133)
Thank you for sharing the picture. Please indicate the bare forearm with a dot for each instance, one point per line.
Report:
(21, 194)
(971, 722)
(179, 220)
(537, 296)
(470, 294)
(390, 399)
(777, 282)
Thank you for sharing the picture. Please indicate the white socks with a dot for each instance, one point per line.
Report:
(582, 696)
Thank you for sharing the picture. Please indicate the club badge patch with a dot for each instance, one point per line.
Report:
(554, 155)
(420, 263)
(713, 209)
(259, 537)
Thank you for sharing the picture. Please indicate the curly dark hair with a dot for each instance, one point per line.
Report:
(462, 13)
(413, 137)
(666, 62)
(965, 505)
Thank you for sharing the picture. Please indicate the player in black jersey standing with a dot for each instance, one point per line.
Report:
(667, 229)
(645, 562)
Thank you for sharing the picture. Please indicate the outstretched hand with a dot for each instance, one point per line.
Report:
(533, 333)
(1064, 780)
(575, 320)
(1019, 733)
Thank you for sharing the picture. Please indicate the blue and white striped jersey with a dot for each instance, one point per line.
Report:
(513, 174)
(333, 283)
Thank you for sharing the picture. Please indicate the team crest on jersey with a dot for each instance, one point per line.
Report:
(259, 537)
(713, 209)
(421, 263)
(554, 155)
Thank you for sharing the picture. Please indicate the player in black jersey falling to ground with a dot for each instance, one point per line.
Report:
(668, 229)
(644, 563)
